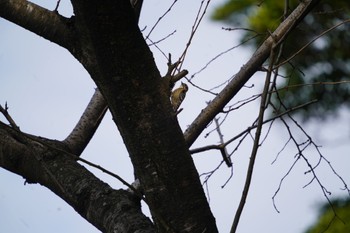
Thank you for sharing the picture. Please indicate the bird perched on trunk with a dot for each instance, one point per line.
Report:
(178, 95)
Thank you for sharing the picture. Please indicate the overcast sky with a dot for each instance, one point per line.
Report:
(46, 90)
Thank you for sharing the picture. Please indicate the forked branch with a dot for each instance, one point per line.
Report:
(86, 127)
(246, 72)
(8, 117)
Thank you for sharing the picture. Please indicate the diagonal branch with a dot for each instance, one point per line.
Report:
(45, 23)
(250, 128)
(223, 149)
(312, 41)
(86, 127)
(105, 208)
(6, 114)
(246, 72)
(260, 122)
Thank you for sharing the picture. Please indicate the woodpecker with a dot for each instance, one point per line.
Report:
(178, 95)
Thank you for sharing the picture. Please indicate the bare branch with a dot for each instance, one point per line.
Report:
(162, 39)
(200, 88)
(256, 145)
(160, 18)
(86, 127)
(6, 114)
(205, 148)
(218, 147)
(312, 168)
(346, 188)
(197, 22)
(220, 55)
(130, 186)
(93, 199)
(280, 185)
(310, 42)
(223, 149)
(41, 21)
(57, 5)
(313, 84)
(246, 72)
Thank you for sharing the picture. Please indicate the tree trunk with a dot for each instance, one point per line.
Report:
(105, 38)
(128, 78)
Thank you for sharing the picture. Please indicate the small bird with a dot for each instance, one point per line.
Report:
(178, 95)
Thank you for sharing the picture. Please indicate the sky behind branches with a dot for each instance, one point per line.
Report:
(46, 91)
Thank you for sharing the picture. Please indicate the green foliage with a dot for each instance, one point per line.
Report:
(253, 14)
(333, 221)
(325, 63)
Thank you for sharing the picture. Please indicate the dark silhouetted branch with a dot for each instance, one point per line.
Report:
(246, 72)
(86, 127)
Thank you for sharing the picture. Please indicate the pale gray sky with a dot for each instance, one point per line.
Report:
(47, 89)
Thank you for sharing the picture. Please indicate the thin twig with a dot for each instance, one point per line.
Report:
(6, 114)
(313, 84)
(219, 55)
(200, 88)
(217, 147)
(113, 175)
(162, 39)
(246, 72)
(57, 5)
(310, 42)
(195, 26)
(160, 18)
(312, 168)
(223, 149)
(256, 144)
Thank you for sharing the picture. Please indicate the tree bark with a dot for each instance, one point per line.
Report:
(86, 127)
(106, 40)
(45, 23)
(247, 71)
(45, 162)
(128, 78)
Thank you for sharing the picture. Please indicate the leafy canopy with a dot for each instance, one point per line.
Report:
(331, 223)
(321, 70)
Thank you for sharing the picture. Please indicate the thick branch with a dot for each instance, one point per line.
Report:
(137, 5)
(85, 129)
(246, 72)
(45, 23)
(105, 208)
(125, 72)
